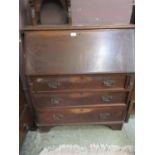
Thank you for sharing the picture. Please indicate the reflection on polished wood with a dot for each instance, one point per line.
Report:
(79, 51)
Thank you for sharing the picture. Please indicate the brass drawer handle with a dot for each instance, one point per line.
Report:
(55, 100)
(104, 115)
(108, 82)
(54, 84)
(106, 98)
(57, 117)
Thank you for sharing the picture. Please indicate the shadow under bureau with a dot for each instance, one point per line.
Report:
(79, 75)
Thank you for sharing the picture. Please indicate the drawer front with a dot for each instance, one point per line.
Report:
(57, 83)
(79, 98)
(89, 114)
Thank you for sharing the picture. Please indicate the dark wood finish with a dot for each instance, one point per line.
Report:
(113, 125)
(22, 99)
(25, 119)
(62, 83)
(25, 17)
(75, 74)
(131, 105)
(24, 89)
(101, 114)
(50, 9)
(53, 12)
(24, 125)
(80, 75)
(75, 27)
(80, 51)
(132, 20)
(77, 99)
(116, 126)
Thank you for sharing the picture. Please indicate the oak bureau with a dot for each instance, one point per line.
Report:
(79, 74)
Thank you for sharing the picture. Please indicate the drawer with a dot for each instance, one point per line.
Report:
(61, 83)
(90, 114)
(78, 98)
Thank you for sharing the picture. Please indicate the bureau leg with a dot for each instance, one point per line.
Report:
(33, 127)
(45, 128)
(130, 111)
(116, 126)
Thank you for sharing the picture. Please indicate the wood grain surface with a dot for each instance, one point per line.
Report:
(79, 51)
(81, 115)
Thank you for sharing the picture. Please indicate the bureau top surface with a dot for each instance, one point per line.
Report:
(79, 51)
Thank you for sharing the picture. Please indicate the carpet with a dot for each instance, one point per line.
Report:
(93, 149)
(79, 135)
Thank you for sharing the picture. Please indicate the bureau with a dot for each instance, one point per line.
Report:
(78, 61)
(79, 75)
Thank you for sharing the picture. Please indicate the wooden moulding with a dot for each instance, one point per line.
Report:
(69, 27)
(116, 126)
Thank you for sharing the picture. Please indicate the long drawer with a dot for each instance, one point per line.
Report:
(60, 83)
(69, 115)
(77, 99)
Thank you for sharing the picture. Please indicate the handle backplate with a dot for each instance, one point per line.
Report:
(108, 82)
(54, 84)
(57, 117)
(104, 115)
(106, 98)
(55, 100)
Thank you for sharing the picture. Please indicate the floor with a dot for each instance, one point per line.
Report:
(81, 135)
